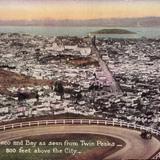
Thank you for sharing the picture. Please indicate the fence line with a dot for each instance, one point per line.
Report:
(78, 121)
(156, 156)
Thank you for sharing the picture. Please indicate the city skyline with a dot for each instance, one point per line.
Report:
(77, 9)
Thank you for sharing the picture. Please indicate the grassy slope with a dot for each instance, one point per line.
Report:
(10, 79)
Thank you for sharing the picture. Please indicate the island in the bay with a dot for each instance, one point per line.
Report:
(113, 31)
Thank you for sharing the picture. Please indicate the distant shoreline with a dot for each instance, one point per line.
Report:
(149, 33)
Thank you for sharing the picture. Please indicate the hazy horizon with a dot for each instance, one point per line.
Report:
(51, 19)
(29, 10)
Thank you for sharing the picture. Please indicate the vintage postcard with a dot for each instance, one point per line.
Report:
(79, 79)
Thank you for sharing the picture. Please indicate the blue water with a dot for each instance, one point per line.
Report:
(148, 32)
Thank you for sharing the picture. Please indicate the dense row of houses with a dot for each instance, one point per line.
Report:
(131, 62)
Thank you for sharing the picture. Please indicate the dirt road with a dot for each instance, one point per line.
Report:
(136, 147)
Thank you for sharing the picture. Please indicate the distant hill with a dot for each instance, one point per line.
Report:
(112, 31)
(114, 22)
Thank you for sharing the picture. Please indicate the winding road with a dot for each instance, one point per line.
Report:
(136, 147)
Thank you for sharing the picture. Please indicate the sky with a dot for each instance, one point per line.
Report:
(77, 9)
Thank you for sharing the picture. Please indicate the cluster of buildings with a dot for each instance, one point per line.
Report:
(134, 64)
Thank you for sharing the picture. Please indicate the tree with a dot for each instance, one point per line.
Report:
(59, 89)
